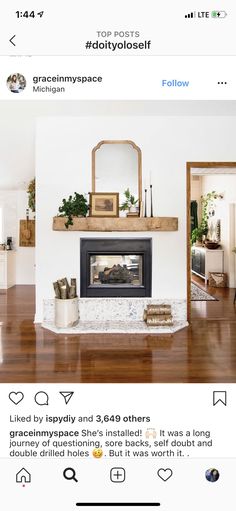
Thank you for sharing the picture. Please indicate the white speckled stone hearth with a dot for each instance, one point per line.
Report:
(116, 315)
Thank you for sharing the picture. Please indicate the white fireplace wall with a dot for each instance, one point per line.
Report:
(63, 166)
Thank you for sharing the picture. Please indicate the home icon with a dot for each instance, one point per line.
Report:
(23, 476)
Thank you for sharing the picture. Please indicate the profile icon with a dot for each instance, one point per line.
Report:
(212, 475)
(16, 83)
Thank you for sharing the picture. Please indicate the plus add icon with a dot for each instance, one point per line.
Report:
(117, 475)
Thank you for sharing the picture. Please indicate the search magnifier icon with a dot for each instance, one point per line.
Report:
(70, 474)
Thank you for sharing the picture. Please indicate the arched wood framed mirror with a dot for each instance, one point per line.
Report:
(116, 166)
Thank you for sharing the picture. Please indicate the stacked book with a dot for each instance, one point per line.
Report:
(158, 315)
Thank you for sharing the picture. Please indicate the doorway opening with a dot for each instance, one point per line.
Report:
(211, 234)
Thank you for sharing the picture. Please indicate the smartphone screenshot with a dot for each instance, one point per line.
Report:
(117, 255)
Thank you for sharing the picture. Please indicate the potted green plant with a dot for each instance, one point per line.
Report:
(31, 195)
(197, 235)
(74, 206)
(210, 197)
(130, 203)
(202, 230)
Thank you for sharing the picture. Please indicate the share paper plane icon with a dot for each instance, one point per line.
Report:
(67, 396)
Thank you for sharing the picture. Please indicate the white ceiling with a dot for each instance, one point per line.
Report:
(213, 170)
(18, 120)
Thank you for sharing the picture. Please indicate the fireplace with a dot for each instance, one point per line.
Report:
(115, 267)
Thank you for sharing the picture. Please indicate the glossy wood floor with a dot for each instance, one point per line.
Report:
(204, 352)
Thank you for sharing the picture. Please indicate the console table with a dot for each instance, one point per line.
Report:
(205, 260)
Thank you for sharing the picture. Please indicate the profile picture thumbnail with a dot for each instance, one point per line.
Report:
(212, 475)
(16, 82)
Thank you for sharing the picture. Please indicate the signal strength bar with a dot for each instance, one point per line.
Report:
(191, 15)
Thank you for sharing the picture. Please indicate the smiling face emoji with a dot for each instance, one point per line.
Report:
(97, 453)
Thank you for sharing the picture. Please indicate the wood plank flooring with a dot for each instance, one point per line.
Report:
(205, 352)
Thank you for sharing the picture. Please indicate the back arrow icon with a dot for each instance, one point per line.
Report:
(11, 40)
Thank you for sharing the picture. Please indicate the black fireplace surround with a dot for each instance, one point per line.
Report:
(115, 267)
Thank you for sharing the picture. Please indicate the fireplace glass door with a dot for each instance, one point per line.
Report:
(116, 270)
(115, 267)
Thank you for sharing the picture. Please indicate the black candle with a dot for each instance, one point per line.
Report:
(145, 204)
(151, 201)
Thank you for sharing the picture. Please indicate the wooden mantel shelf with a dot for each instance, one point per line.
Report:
(117, 224)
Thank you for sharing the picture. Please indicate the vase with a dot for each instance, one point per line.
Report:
(66, 312)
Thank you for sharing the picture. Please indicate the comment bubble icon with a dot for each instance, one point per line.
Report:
(41, 398)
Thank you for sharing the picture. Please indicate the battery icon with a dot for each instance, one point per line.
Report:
(218, 14)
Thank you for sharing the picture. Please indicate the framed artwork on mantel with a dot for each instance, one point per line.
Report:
(104, 205)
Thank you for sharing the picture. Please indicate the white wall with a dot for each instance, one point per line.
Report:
(226, 184)
(14, 204)
(196, 187)
(63, 165)
(25, 261)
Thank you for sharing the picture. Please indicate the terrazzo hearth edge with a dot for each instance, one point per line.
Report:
(110, 327)
(116, 315)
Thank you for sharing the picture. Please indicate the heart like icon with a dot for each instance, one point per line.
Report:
(16, 397)
(165, 473)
